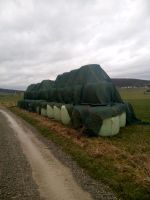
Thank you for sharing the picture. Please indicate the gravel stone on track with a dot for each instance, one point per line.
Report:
(16, 182)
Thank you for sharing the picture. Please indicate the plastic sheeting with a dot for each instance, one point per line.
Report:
(87, 85)
(65, 118)
(57, 114)
(44, 112)
(92, 117)
(122, 119)
(97, 120)
(110, 127)
(38, 109)
(86, 97)
(50, 111)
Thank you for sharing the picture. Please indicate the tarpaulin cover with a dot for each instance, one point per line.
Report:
(91, 117)
(86, 85)
(31, 105)
(88, 93)
(39, 91)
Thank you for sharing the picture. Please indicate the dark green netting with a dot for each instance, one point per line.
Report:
(31, 105)
(86, 85)
(101, 93)
(86, 74)
(73, 86)
(131, 118)
(52, 104)
(39, 91)
(58, 105)
(69, 108)
(88, 94)
(91, 117)
(43, 104)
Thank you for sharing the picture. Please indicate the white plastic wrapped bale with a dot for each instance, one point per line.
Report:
(43, 112)
(122, 119)
(38, 109)
(110, 126)
(57, 113)
(65, 118)
(50, 111)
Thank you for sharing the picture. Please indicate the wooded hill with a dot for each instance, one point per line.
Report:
(119, 82)
(126, 82)
(10, 91)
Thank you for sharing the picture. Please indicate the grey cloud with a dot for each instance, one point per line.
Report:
(40, 39)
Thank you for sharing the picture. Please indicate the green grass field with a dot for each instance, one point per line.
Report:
(139, 100)
(123, 161)
(9, 100)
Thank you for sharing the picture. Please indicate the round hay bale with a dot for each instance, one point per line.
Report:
(115, 125)
(57, 114)
(122, 119)
(106, 127)
(50, 111)
(43, 112)
(110, 126)
(38, 109)
(65, 118)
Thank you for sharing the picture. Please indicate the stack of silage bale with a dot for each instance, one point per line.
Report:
(85, 97)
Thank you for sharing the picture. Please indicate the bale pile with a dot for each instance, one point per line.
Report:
(85, 97)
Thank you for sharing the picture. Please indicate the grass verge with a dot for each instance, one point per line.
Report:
(111, 160)
(122, 162)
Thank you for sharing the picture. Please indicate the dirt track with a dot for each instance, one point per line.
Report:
(29, 169)
(53, 179)
(16, 180)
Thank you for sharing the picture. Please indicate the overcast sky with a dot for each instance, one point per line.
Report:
(40, 39)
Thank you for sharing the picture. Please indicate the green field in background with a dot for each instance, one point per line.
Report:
(139, 100)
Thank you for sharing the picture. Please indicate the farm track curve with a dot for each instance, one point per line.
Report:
(29, 170)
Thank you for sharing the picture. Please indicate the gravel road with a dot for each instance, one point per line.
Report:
(33, 168)
(16, 180)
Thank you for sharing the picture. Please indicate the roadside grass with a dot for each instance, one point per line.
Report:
(122, 162)
(9, 100)
(102, 159)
